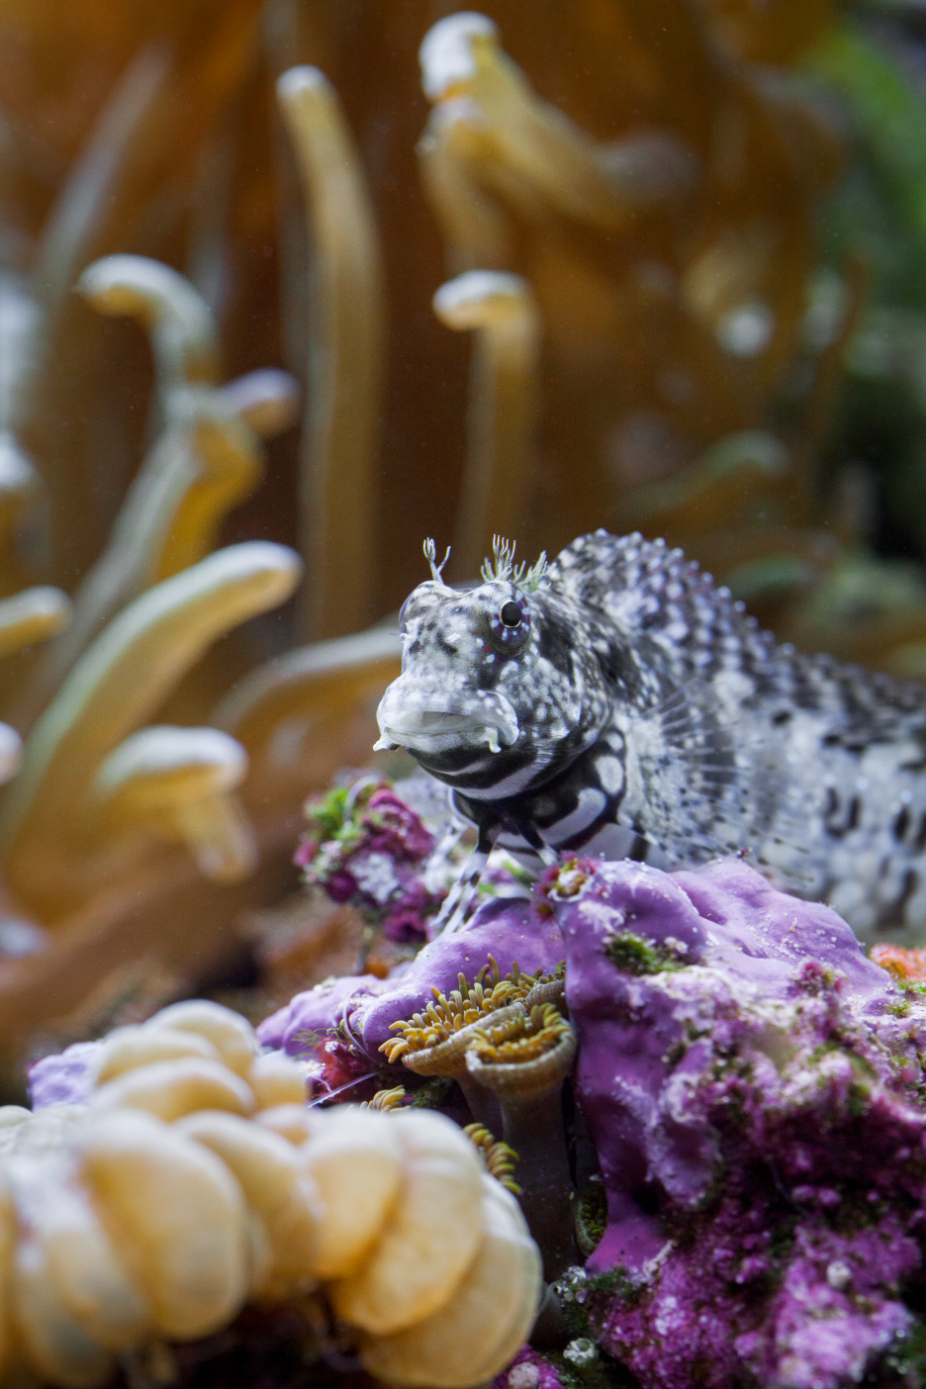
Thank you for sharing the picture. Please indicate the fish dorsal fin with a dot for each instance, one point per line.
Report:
(648, 590)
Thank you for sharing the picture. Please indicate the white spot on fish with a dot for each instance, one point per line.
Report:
(610, 774)
(591, 803)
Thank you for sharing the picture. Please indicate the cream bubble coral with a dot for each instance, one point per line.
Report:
(194, 1181)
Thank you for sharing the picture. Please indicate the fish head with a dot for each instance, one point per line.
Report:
(500, 687)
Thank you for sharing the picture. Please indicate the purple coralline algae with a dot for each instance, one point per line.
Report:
(754, 1087)
(368, 847)
(65, 1077)
(363, 1008)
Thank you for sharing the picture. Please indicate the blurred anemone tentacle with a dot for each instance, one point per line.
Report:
(126, 184)
(302, 711)
(499, 309)
(19, 481)
(601, 186)
(25, 619)
(120, 679)
(476, 228)
(345, 365)
(182, 329)
(205, 460)
(34, 615)
(181, 783)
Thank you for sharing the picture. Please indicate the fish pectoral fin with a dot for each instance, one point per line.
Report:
(707, 786)
(462, 896)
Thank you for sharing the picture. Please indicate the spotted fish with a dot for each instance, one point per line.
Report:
(618, 702)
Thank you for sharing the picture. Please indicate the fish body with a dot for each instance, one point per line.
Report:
(618, 702)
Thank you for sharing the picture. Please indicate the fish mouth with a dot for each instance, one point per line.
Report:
(420, 724)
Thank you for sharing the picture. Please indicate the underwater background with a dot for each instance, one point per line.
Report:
(287, 286)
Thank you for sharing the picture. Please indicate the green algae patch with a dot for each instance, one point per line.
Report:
(633, 954)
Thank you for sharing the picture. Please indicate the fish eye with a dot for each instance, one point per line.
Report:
(510, 614)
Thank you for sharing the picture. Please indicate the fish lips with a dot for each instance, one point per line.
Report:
(431, 721)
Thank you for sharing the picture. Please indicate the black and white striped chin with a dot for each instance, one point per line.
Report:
(427, 731)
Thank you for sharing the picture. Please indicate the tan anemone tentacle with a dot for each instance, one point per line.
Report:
(25, 619)
(19, 486)
(140, 550)
(183, 335)
(476, 227)
(602, 186)
(499, 309)
(85, 202)
(125, 675)
(266, 400)
(303, 715)
(67, 418)
(205, 460)
(180, 783)
(32, 616)
(19, 483)
(228, 464)
(338, 494)
(137, 161)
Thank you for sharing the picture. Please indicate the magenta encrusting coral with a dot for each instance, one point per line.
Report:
(366, 846)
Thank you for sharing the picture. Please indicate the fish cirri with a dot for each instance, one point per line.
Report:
(618, 702)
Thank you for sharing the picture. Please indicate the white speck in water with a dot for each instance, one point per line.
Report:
(747, 330)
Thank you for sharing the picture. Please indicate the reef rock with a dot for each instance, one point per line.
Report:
(754, 1087)
(507, 930)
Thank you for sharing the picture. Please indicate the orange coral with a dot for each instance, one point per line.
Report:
(908, 965)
